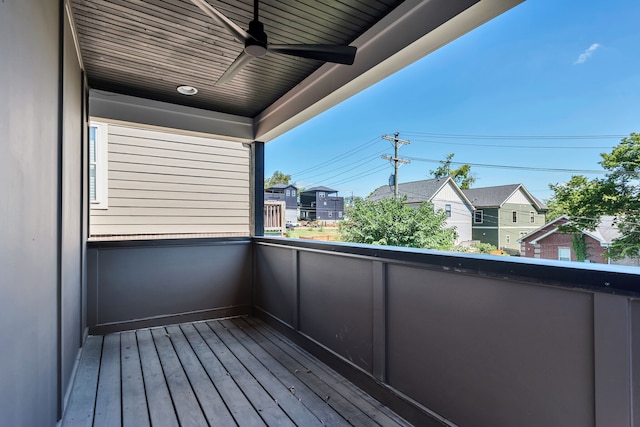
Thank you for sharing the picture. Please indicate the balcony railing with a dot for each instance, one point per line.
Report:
(440, 338)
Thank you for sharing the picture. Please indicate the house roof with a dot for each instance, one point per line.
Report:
(320, 188)
(417, 191)
(280, 186)
(496, 196)
(604, 233)
(135, 54)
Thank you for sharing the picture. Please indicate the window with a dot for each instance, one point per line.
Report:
(288, 193)
(532, 217)
(515, 216)
(478, 217)
(322, 194)
(447, 210)
(339, 214)
(330, 214)
(564, 254)
(98, 166)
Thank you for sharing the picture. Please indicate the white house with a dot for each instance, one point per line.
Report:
(445, 195)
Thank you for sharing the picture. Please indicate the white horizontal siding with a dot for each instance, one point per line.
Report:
(518, 198)
(460, 211)
(163, 183)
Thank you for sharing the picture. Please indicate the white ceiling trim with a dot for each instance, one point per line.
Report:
(130, 109)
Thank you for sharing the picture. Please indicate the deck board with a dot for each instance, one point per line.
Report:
(225, 373)
(108, 411)
(135, 412)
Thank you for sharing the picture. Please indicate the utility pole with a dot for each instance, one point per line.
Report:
(397, 161)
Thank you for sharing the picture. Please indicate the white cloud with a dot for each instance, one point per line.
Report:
(587, 54)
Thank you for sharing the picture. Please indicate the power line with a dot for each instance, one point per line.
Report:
(517, 137)
(339, 156)
(350, 166)
(527, 168)
(550, 147)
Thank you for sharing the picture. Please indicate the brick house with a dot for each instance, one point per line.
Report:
(549, 242)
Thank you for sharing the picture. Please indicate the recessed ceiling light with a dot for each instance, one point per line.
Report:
(187, 90)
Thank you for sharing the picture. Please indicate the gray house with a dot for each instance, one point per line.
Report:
(214, 330)
(505, 213)
(287, 193)
(445, 195)
(321, 204)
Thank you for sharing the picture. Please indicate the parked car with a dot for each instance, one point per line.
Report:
(291, 224)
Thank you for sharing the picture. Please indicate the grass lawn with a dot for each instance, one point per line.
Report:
(296, 233)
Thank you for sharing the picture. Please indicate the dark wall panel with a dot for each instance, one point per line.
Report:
(141, 282)
(277, 293)
(492, 352)
(336, 304)
(72, 240)
(635, 361)
(29, 128)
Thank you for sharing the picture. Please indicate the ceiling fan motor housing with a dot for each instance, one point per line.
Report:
(257, 46)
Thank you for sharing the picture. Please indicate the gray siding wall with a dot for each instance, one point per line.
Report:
(168, 183)
(40, 211)
(73, 212)
(474, 349)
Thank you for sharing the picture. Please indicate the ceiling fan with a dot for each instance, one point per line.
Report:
(255, 43)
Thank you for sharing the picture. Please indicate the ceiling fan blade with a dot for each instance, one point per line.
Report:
(240, 34)
(242, 60)
(328, 53)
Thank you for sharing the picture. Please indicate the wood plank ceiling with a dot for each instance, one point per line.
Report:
(147, 48)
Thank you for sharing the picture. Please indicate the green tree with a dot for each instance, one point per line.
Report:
(277, 178)
(391, 222)
(462, 175)
(618, 194)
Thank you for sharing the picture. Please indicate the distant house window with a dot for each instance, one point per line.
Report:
(330, 214)
(447, 210)
(532, 217)
(478, 217)
(339, 214)
(515, 216)
(564, 254)
(322, 194)
(98, 166)
(288, 193)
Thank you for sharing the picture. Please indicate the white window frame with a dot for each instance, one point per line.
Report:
(102, 166)
(532, 217)
(562, 248)
(447, 210)
(481, 216)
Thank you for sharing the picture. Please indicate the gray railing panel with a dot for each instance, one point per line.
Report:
(278, 297)
(471, 340)
(489, 352)
(336, 301)
(135, 281)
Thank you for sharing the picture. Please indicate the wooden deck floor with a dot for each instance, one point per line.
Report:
(216, 373)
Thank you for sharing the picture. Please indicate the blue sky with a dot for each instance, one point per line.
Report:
(501, 95)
